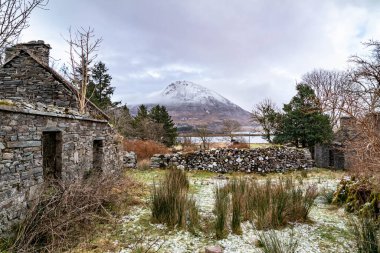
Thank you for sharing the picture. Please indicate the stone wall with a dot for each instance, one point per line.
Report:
(272, 159)
(21, 155)
(130, 160)
(329, 156)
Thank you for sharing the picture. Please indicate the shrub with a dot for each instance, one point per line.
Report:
(221, 211)
(64, 212)
(270, 243)
(365, 230)
(170, 202)
(145, 149)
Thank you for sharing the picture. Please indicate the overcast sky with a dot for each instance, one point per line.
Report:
(246, 50)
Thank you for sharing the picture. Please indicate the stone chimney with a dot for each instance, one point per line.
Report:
(38, 48)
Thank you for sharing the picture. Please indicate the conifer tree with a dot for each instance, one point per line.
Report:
(99, 88)
(303, 122)
(160, 115)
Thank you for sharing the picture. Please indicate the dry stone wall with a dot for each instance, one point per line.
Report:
(263, 160)
(130, 159)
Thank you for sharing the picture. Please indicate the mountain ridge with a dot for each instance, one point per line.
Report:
(192, 105)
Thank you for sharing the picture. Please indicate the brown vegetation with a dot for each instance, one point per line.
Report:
(239, 145)
(145, 149)
(65, 213)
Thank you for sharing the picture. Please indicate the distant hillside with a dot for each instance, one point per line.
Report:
(192, 105)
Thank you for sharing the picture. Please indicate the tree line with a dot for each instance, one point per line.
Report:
(323, 98)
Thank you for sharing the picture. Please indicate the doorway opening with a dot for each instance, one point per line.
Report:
(52, 154)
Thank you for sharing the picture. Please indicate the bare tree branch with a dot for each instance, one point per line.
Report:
(83, 47)
(14, 15)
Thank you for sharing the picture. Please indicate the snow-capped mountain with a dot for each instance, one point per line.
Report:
(189, 92)
(191, 105)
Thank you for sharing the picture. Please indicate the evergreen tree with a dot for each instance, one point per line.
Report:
(160, 115)
(99, 88)
(303, 123)
(142, 113)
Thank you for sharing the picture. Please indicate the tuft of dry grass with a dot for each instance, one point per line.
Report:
(238, 188)
(271, 243)
(221, 209)
(64, 213)
(366, 234)
(275, 204)
(170, 203)
(145, 149)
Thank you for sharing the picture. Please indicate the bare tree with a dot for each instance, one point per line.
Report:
(204, 134)
(330, 87)
(266, 115)
(14, 15)
(366, 80)
(231, 126)
(83, 48)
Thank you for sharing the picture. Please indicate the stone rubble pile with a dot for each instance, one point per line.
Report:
(271, 159)
(130, 159)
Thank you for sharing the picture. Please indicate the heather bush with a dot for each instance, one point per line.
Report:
(145, 149)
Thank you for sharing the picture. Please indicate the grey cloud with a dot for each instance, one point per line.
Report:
(244, 50)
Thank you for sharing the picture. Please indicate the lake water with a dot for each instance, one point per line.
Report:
(215, 139)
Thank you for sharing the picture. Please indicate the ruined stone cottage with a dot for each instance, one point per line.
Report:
(336, 155)
(42, 134)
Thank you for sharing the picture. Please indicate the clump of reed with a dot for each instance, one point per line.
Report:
(221, 209)
(271, 243)
(170, 201)
(238, 188)
(276, 203)
(366, 233)
(269, 205)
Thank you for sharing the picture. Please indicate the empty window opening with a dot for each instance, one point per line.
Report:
(52, 154)
(97, 155)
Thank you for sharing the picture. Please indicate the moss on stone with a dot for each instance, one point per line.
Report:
(358, 196)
